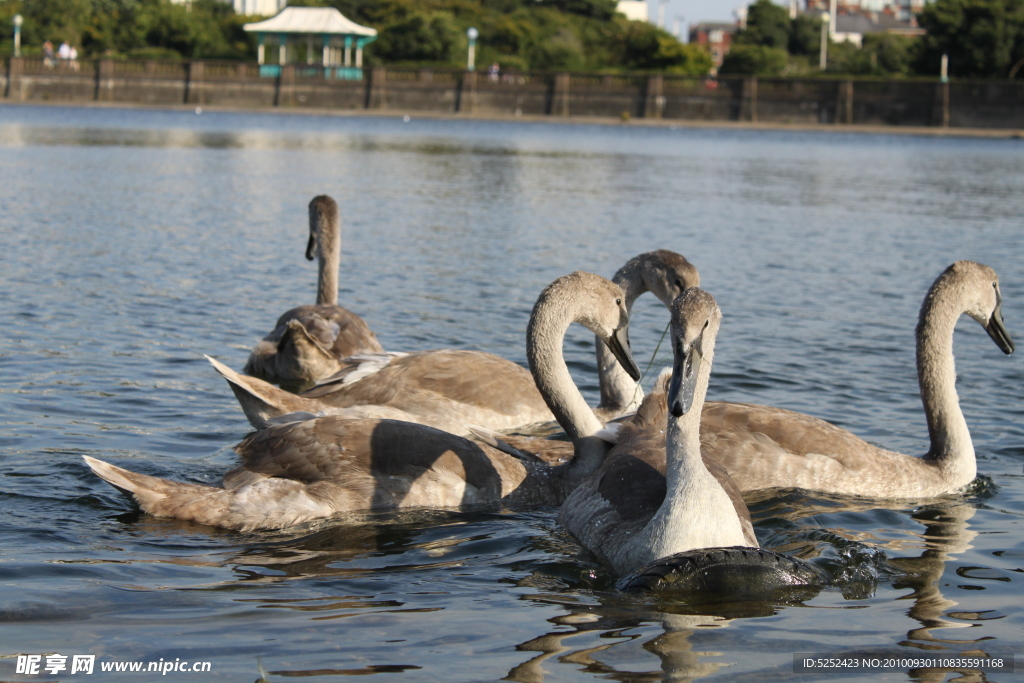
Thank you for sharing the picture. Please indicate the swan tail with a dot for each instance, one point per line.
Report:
(262, 401)
(252, 501)
(165, 498)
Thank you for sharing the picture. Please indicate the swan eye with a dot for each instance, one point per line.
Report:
(618, 302)
(679, 283)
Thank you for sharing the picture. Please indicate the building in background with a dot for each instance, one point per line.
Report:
(857, 18)
(901, 10)
(716, 37)
(633, 9)
(263, 8)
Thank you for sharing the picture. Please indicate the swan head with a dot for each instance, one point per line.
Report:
(594, 302)
(983, 300)
(695, 321)
(667, 274)
(323, 213)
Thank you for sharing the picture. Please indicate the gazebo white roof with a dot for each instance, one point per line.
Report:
(316, 20)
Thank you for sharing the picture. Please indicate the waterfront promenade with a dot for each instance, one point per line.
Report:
(808, 102)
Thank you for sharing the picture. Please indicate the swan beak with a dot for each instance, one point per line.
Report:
(311, 247)
(684, 378)
(997, 330)
(618, 344)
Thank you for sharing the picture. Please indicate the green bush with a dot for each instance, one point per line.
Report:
(983, 38)
(559, 51)
(754, 60)
(420, 38)
(768, 24)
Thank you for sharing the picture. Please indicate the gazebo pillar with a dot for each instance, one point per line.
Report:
(309, 48)
(282, 49)
(260, 53)
(348, 50)
(326, 55)
(359, 53)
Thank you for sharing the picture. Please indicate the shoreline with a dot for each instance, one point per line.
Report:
(843, 128)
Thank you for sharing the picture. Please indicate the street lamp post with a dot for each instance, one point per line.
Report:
(472, 34)
(17, 34)
(825, 20)
(676, 23)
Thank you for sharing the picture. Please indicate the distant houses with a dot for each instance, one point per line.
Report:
(854, 19)
(715, 37)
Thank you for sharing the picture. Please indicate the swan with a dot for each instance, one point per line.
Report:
(763, 447)
(455, 390)
(655, 495)
(666, 275)
(308, 469)
(308, 342)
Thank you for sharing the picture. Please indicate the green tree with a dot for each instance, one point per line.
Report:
(420, 38)
(983, 38)
(768, 24)
(805, 35)
(598, 9)
(561, 50)
(754, 60)
(891, 54)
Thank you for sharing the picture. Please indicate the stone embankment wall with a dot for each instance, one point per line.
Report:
(970, 104)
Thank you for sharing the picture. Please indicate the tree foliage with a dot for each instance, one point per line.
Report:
(206, 29)
(805, 35)
(517, 34)
(983, 38)
(754, 60)
(768, 24)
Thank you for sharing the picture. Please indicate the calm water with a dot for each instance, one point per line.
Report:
(133, 242)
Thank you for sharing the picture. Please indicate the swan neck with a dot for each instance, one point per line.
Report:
(696, 511)
(544, 338)
(329, 259)
(619, 393)
(950, 438)
(684, 465)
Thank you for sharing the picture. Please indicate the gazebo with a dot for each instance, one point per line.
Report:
(327, 28)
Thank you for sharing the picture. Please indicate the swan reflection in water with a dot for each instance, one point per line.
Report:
(601, 625)
(599, 630)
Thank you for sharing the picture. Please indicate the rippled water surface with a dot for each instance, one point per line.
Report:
(134, 242)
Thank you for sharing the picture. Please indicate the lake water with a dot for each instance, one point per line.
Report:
(134, 242)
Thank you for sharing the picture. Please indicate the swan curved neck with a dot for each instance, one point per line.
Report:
(951, 446)
(544, 338)
(328, 230)
(619, 393)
